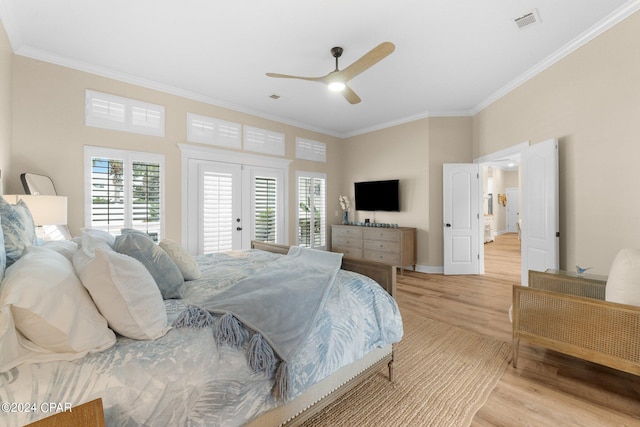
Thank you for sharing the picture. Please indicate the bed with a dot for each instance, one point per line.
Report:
(180, 375)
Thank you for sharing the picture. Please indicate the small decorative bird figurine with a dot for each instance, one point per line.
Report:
(581, 270)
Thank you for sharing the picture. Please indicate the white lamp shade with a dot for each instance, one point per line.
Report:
(45, 210)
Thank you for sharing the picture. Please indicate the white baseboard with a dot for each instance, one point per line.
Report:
(429, 269)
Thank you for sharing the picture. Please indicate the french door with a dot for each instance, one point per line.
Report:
(231, 204)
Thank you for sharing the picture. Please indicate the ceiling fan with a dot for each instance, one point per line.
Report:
(337, 79)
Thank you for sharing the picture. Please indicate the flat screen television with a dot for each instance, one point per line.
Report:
(378, 195)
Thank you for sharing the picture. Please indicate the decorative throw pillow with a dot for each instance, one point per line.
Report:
(124, 292)
(133, 230)
(623, 283)
(3, 253)
(50, 306)
(186, 263)
(164, 270)
(18, 228)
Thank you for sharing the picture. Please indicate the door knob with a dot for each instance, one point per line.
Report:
(447, 225)
(239, 228)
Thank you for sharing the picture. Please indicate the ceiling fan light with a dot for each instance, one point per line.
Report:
(337, 86)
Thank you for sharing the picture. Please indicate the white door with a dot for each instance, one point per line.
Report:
(220, 222)
(539, 214)
(513, 209)
(461, 218)
(216, 224)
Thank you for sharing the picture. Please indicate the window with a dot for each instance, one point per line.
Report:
(124, 189)
(208, 130)
(312, 216)
(265, 209)
(307, 149)
(263, 141)
(115, 112)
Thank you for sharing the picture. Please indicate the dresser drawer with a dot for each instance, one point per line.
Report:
(347, 251)
(386, 257)
(382, 245)
(381, 234)
(346, 231)
(350, 241)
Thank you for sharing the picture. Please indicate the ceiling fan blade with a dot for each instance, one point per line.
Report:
(369, 59)
(286, 76)
(350, 95)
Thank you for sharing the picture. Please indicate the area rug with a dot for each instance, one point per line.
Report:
(444, 374)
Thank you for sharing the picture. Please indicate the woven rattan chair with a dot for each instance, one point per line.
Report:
(569, 315)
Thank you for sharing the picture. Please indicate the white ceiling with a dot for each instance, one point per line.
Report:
(451, 57)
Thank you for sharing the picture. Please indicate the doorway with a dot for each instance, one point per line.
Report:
(501, 192)
(539, 234)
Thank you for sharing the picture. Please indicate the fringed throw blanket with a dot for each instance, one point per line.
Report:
(275, 308)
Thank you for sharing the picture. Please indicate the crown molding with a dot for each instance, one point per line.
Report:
(614, 18)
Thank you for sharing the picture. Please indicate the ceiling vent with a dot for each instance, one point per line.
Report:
(527, 20)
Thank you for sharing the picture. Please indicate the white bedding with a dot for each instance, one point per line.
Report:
(184, 378)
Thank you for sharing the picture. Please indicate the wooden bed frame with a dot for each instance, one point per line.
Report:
(327, 391)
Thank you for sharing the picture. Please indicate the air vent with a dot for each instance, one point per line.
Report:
(527, 20)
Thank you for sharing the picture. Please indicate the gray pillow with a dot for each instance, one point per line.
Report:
(164, 270)
(18, 228)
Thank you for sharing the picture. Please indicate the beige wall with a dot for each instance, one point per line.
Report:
(400, 152)
(6, 77)
(449, 142)
(414, 153)
(590, 101)
(49, 136)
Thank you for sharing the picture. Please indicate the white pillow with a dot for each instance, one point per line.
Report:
(64, 247)
(50, 307)
(9, 344)
(124, 292)
(101, 234)
(186, 263)
(623, 283)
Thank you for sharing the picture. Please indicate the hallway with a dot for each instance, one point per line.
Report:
(502, 258)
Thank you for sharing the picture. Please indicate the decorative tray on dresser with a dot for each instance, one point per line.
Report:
(391, 245)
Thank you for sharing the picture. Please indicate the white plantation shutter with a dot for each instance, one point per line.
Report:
(312, 216)
(106, 109)
(265, 209)
(217, 213)
(145, 201)
(208, 130)
(307, 149)
(263, 141)
(107, 195)
(146, 117)
(124, 190)
(118, 113)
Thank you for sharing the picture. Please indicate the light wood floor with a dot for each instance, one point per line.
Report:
(548, 388)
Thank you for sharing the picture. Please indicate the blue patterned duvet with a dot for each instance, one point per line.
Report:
(185, 379)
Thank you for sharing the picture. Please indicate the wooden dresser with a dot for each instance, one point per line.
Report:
(396, 246)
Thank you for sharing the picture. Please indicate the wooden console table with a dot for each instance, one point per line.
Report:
(395, 246)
